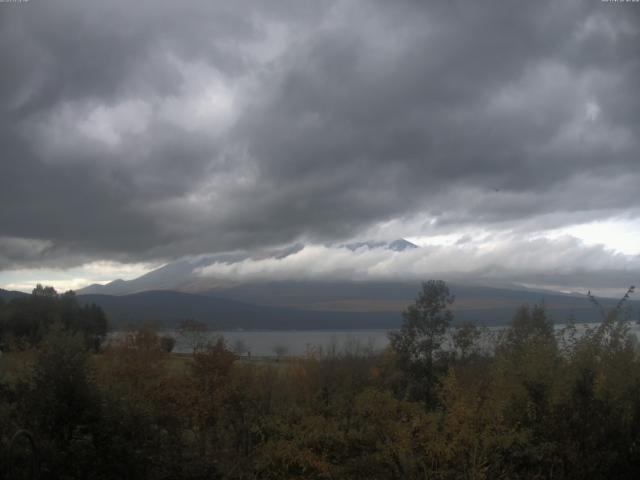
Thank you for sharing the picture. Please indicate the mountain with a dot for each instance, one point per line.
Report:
(325, 305)
(328, 306)
(398, 245)
(487, 305)
(7, 295)
(167, 309)
(401, 245)
(180, 276)
(175, 291)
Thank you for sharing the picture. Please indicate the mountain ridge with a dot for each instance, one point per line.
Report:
(11, 294)
(482, 305)
(179, 275)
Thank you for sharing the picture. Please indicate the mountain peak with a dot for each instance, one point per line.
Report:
(401, 245)
(397, 245)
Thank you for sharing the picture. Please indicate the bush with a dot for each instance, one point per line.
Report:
(167, 343)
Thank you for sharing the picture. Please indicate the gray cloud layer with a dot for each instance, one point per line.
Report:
(138, 131)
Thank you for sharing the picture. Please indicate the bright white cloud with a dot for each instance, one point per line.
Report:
(494, 258)
(619, 235)
(100, 272)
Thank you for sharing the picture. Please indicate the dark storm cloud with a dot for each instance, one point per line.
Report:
(468, 114)
(137, 131)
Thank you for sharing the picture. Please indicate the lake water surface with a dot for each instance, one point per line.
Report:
(291, 342)
(299, 342)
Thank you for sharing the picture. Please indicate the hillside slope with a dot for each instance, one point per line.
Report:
(481, 305)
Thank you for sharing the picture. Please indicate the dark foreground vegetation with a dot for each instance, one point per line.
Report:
(527, 403)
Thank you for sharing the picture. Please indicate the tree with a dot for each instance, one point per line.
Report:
(167, 343)
(26, 320)
(41, 291)
(194, 334)
(239, 347)
(60, 404)
(418, 342)
(529, 325)
(465, 339)
(280, 350)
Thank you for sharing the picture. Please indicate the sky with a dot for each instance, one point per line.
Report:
(503, 138)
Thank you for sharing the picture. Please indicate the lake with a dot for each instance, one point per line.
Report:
(290, 342)
(298, 342)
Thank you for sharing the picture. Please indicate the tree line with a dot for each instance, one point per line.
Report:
(24, 321)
